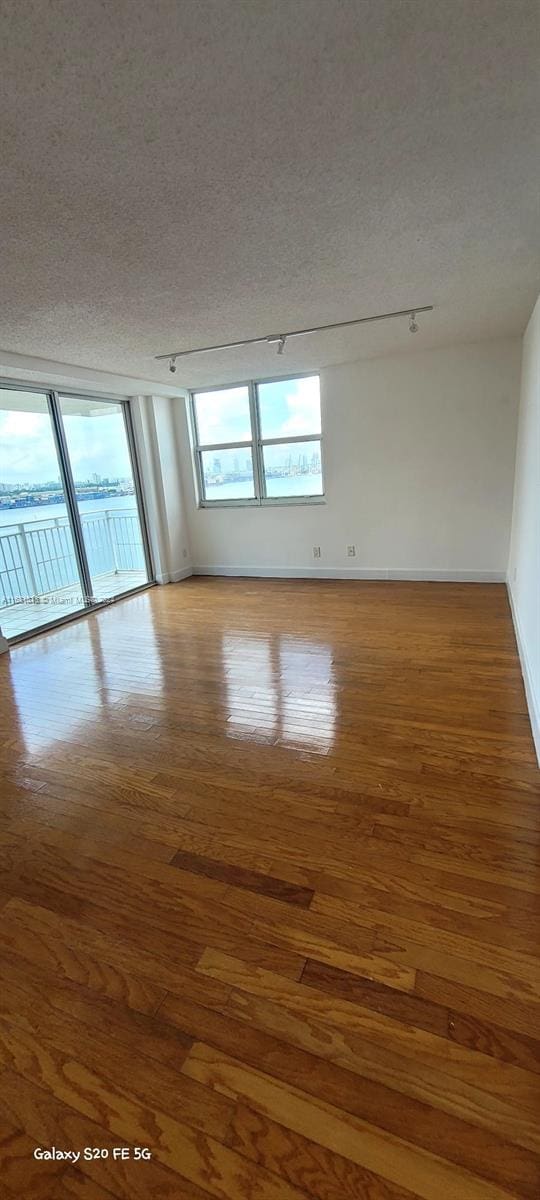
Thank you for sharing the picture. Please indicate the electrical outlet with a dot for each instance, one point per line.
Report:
(351, 551)
(184, 552)
(316, 551)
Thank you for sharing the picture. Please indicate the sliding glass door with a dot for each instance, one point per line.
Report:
(102, 470)
(72, 532)
(39, 571)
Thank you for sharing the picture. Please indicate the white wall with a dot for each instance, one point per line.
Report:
(524, 560)
(156, 431)
(419, 460)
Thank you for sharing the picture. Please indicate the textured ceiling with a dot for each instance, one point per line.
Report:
(178, 172)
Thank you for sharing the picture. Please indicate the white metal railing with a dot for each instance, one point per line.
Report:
(38, 557)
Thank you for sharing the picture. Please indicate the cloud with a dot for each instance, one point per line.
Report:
(28, 455)
(223, 416)
(304, 410)
(27, 452)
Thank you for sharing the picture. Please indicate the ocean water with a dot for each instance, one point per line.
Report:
(293, 485)
(109, 548)
(44, 512)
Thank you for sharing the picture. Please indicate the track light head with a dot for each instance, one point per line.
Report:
(413, 326)
(277, 339)
(172, 365)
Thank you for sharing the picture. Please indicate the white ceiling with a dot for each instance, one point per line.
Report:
(179, 172)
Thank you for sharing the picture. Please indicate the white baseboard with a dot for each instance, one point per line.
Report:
(174, 576)
(533, 704)
(354, 573)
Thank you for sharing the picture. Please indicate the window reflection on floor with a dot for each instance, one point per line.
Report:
(42, 679)
(250, 710)
(295, 700)
(63, 682)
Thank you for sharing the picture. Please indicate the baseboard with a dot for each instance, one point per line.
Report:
(174, 576)
(533, 704)
(354, 573)
(185, 573)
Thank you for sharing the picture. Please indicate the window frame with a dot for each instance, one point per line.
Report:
(255, 444)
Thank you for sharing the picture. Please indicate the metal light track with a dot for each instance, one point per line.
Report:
(281, 338)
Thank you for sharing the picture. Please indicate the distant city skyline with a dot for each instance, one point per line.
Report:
(26, 495)
(96, 480)
(291, 465)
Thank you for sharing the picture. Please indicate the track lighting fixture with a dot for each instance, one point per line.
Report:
(279, 339)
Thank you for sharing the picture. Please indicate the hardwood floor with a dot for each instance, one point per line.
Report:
(270, 898)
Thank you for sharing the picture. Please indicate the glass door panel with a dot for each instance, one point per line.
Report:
(104, 485)
(39, 572)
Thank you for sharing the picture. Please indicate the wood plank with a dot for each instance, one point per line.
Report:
(326, 939)
(487, 1007)
(124, 1053)
(181, 908)
(344, 774)
(340, 1133)
(50, 1122)
(522, 858)
(485, 1036)
(321, 1173)
(495, 980)
(253, 881)
(67, 960)
(521, 970)
(21, 1174)
(473, 1086)
(513, 1048)
(402, 881)
(291, 1061)
(410, 1009)
(466, 916)
(199, 1158)
(74, 1186)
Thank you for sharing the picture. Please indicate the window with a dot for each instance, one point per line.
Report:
(259, 443)
(225, 444)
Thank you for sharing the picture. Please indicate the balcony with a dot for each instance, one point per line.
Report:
(39, 579)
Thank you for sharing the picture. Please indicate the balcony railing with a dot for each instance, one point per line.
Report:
(37, 557)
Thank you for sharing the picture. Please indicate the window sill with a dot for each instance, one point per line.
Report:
(269, 502)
